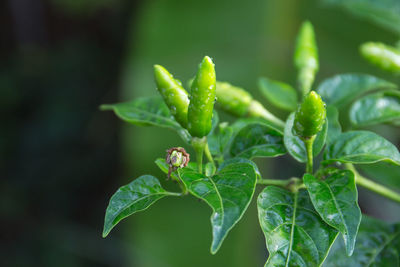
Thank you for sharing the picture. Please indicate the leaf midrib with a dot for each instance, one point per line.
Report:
(292, 229)
(337, 207)
(348, 158)
(144, 197)
(159, 117)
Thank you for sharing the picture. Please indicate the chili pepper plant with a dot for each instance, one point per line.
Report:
(301, 217)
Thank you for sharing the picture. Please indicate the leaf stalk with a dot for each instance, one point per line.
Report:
(373, 186)
(199, 145)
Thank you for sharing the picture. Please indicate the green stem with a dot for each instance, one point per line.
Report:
(293, 184)
(273, 182)
(199, 144)
(308, 142)
(208, 155)
(371, 185)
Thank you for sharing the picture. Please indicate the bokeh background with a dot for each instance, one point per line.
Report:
(61, 158)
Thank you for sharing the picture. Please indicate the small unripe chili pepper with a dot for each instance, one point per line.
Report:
(202, 99)
(233, 99)
(384, 56)
(306, 57)
(175, 96)
(310, 116)
(177, 157)
(239, 102)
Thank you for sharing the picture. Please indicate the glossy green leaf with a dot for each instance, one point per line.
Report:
(228, 193)
(335, 198)
(219, 140)
(148, 111)
(334, 128)
(342, 89)
(257, 140)
(240, 160)
(279, 94)
(295, 234)
(376, 108)
(385, 13)
(295, 146)
(240, 123)
(378, 245)
(214, 122)
(131, 198)
(361, 147)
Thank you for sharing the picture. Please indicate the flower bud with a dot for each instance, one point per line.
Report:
(177, 157)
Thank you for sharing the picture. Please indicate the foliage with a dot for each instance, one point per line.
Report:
(302, 216)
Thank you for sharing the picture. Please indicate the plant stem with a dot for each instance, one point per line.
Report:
(273, 182)
(199, 144)
(373, 186)
(208, 155)
(308, 142)
(293, 184)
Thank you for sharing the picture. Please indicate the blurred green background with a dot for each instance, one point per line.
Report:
(61, 158)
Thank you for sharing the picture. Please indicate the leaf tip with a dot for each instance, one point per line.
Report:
(214, 250)
(105, 233)
(349, 248)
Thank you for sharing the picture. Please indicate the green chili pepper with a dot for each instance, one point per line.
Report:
(202, 99)
(233, 99)
(310, 116)
(239, 102)
(384, 56)
(175, 96)
(306, 57)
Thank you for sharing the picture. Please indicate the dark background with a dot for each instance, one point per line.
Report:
(61, 158)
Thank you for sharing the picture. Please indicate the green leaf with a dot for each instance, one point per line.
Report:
(334, 128)
(378, 244)
(240, 160)
(228, 193)
(279, 94)
(335, 199)
(131, 198)
(148, 111)
(376, 108)
(385, 13)
(214, 122)
(257, 140)
(295, 234)
(295, 146)
(342, 89)
(361, 147)
(219, 140)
